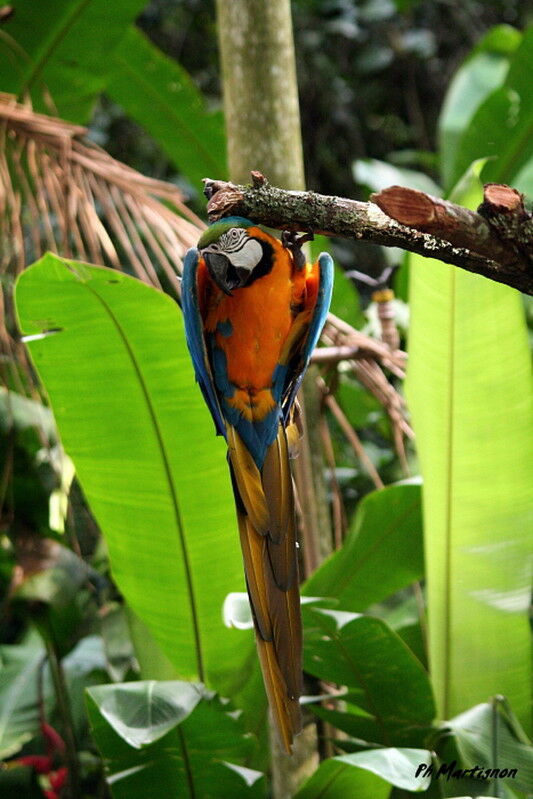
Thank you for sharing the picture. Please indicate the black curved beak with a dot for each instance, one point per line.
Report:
(222, 272)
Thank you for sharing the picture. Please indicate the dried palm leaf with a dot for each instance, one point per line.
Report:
(60, 192)
(368, 357)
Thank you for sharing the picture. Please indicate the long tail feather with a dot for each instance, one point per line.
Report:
(278, 632)
(248, 479)
(271, 566)
(285, 711)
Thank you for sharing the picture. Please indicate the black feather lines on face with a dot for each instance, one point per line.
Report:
(264, 265)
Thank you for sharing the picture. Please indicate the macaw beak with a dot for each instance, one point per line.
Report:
(222, 272)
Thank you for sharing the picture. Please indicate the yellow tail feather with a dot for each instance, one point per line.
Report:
(270, 563)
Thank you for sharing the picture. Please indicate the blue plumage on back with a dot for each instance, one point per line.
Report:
(293, 380)
(211, 371)
(195, 338)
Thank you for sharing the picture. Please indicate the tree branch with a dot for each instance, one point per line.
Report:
(398, 217)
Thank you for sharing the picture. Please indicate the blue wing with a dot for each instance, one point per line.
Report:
(195, 338)
(296, 371)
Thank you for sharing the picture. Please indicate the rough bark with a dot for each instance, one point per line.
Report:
(496, 242)
(260, 90)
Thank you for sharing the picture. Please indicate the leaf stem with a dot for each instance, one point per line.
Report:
(73, 787)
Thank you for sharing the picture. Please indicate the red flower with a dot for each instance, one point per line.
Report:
(58, 778)
(53, 739)
(41, 764)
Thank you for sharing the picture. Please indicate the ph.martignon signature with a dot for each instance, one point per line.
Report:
(451, 772)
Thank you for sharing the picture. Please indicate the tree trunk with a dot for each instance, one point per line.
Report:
(260, 91)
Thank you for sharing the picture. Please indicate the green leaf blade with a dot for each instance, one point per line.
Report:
(382, 553)
(469, 390)
(484, 734)
(367, 774)
(19, 719)
(364, 653)
(502, 127)
(476, 79)
(130, 416)
(143, 712)
(158, 93)
(173, 735)
(63, 47)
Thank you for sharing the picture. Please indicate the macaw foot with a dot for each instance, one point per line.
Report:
(294, 242)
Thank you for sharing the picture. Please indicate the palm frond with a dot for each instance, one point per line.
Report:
(61, 192)
(368, 361)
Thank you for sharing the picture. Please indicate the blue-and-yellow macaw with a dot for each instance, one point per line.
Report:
(254, 311)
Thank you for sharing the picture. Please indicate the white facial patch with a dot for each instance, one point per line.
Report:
(248, 256)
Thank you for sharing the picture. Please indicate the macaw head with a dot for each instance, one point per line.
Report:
(236, 252)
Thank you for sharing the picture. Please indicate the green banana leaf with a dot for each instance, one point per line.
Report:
(501, 130)
(382, 552)
(363, 653)
(173, 738)
(483, 71)
(70, 51)
(62, 48)
(469, 391)
(368, 774)
(159, 94)
(133, 421)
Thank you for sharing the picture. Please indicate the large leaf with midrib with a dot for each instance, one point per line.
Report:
(469, 391)
(122, 389)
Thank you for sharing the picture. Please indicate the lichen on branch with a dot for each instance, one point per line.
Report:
(494, 242)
